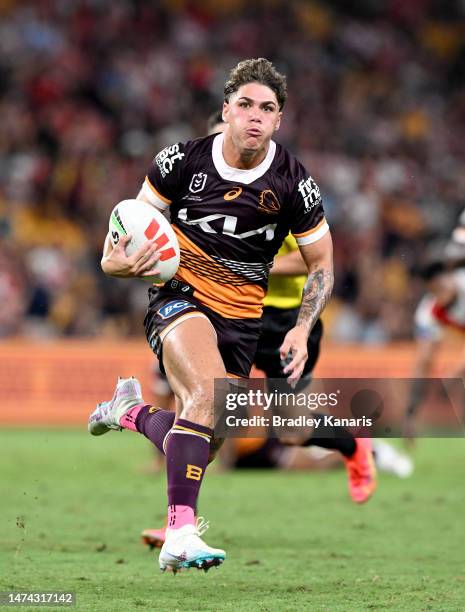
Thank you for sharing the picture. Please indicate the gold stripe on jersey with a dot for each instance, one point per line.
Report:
(312, 230)
(312, 235)
(156, 192)
(218, 270)
(225, 292)
(285, 291)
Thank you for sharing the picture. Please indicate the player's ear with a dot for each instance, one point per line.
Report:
(278, 123)
(225, 111)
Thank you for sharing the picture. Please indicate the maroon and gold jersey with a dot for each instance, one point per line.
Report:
(231, 222)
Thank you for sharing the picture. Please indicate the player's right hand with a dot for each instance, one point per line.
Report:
(139, 264)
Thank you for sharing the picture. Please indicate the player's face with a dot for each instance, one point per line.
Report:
(252, 115)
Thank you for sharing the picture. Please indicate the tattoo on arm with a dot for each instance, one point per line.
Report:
(315, 296)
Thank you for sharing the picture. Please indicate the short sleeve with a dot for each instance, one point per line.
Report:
(163, 179)
(308, 218)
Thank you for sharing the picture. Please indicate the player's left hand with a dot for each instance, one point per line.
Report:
(294, 346)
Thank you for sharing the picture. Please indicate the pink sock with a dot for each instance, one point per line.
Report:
(178, 516)
(128, 421)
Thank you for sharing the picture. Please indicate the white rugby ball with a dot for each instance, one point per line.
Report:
(144, 222)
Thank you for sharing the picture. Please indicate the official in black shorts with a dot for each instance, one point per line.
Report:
(282, 302)
(276, 322)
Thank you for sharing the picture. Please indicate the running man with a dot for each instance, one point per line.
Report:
(232, 199)
(281, 305)
(442, 307)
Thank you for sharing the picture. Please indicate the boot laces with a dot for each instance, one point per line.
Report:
(201, 525)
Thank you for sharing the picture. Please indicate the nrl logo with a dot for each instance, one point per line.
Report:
(198, 182)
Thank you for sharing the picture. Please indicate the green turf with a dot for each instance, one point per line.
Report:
(72, 507)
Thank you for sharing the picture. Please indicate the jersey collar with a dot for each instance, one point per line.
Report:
(238, 175)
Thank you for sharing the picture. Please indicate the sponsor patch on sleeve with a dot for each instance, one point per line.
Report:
(167, 158)
(310, 193)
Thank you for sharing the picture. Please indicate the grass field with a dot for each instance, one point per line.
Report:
(72, 507)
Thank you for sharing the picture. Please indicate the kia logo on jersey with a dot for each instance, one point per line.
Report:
(198, 182)
(229, 223)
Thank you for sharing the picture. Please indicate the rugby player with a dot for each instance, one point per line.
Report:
(281, 308)
(442, 307)
(232, 199)
(281, 304)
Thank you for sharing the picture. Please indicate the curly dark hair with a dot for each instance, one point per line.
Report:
(257, 71)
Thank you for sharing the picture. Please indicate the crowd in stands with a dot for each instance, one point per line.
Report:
(90, 90)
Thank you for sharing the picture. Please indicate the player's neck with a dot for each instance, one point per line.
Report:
(243, 159)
